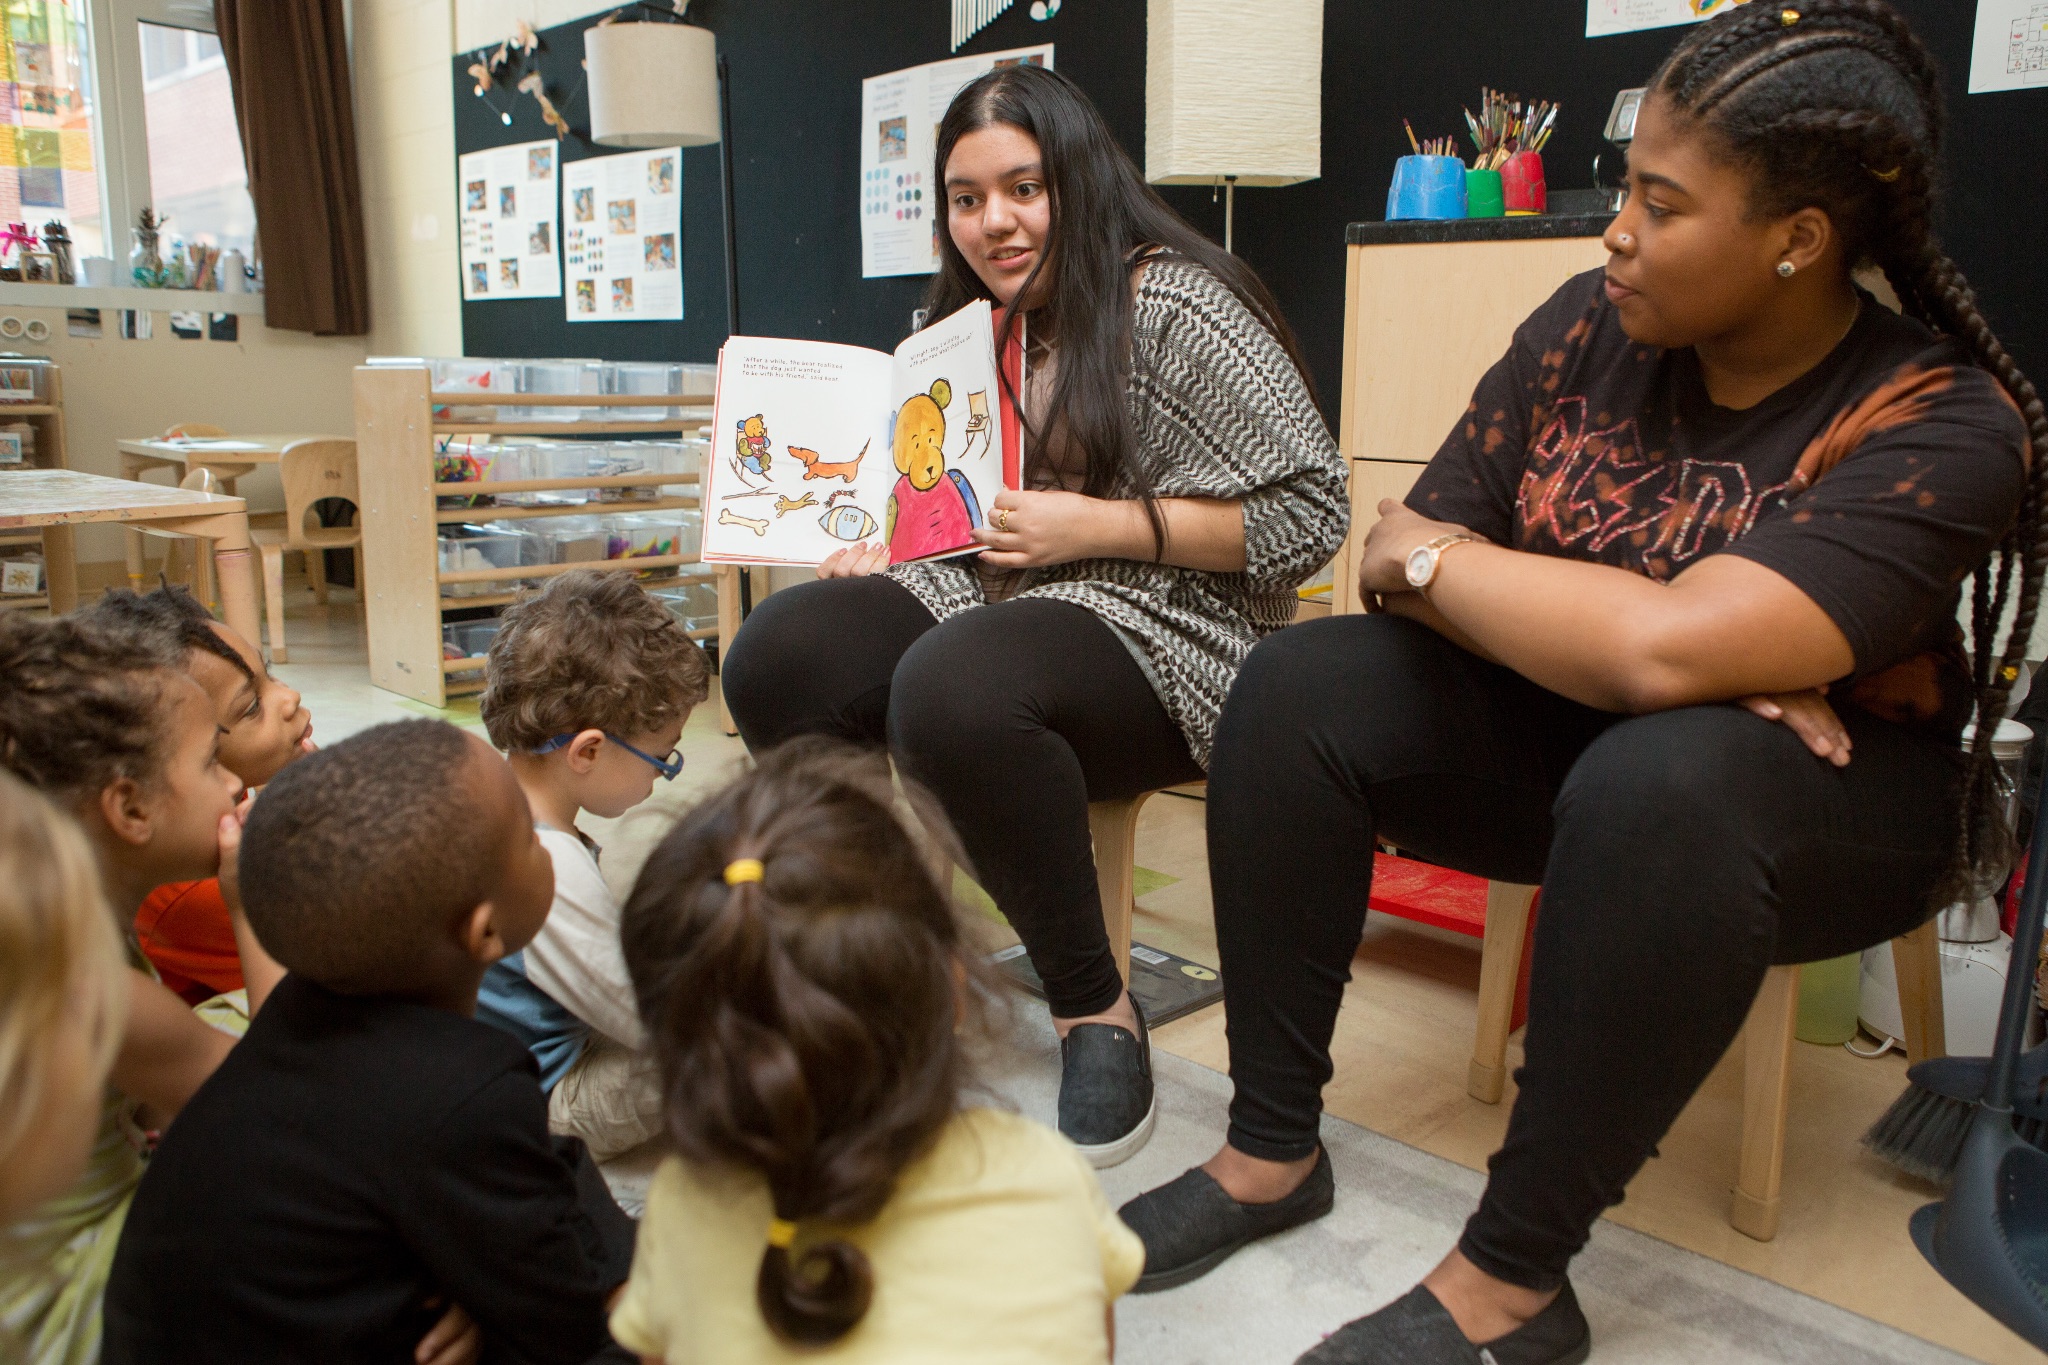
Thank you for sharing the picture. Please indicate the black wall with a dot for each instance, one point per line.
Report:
(797, 67)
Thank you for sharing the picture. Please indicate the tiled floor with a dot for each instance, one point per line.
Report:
(1403, 1043)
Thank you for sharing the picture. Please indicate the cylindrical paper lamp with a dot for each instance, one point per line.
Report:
(652, 85)
(1233, 91)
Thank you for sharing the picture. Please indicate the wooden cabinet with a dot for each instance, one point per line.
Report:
(1427, 308)
(60, 559)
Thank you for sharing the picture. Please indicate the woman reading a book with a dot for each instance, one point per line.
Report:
(1179, 486)
(1668, 626)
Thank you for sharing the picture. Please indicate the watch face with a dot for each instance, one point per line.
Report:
(1421, 561)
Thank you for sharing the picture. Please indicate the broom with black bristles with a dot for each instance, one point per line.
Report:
(1922, 1133)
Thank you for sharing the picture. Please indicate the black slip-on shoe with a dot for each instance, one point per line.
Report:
(1191, 1225)
(1417, 1330)
(1107, 1104)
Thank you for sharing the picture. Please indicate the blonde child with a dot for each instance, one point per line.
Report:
(591, 682)
(808, 994)
(63, 999)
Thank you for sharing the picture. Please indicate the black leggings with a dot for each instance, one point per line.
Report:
(1680, 855)
(1015, 716)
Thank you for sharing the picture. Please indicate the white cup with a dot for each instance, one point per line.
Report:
(97, 271)
(234, 277)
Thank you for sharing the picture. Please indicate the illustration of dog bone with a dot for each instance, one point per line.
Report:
(758, 525)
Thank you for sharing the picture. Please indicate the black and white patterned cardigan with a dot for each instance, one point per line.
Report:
(1222, 413)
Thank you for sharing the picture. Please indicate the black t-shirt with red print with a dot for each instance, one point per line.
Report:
(1875, 482)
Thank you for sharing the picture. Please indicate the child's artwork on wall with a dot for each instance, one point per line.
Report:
(511, 214)
(622, 240)
(901, 210)
(818, 446)
(1605, 17)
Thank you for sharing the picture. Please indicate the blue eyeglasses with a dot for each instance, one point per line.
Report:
(668, 767)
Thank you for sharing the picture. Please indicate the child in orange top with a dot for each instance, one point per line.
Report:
(184, 928)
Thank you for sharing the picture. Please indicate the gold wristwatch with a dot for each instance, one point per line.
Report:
(1423, 559)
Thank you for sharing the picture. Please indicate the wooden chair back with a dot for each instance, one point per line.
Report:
(200, 481)
(192, 431)
(310, 471)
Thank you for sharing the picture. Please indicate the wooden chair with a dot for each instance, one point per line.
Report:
(1766, 1043)
(309, 471)
(1113, 826)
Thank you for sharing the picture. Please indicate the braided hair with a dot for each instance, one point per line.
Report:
(1836, 104)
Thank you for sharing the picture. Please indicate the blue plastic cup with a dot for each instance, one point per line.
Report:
(1427, 187)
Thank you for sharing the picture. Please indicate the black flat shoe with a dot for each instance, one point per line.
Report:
(1192, 1225)
(1107, 1104)
(1417, 1330)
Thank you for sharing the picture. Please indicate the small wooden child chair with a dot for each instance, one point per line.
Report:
(309, 471)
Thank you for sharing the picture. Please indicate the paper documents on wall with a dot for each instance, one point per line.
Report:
(817, 446)
(1607, 17)
(901, 210)
(510, 219)
(2010, 48)
(622, 236)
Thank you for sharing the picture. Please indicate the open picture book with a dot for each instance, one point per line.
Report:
(817, 446)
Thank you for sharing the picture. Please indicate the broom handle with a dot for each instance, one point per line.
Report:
(2019, 971)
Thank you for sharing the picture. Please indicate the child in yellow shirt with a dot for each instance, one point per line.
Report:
(809, 995)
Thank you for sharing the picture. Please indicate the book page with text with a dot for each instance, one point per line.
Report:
(946, 442)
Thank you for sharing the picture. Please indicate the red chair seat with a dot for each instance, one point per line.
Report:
(1446, 899)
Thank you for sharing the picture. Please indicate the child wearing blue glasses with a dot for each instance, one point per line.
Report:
(591, 681)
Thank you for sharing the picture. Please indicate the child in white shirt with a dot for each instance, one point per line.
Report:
(591, 682)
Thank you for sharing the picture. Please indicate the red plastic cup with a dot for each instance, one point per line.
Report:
(1521, 184)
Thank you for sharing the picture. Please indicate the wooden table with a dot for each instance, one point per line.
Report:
(227, 457)
(46, 498)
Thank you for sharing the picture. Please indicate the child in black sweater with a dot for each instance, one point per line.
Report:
(369, 1152)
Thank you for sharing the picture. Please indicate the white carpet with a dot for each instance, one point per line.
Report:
(1398, 1210)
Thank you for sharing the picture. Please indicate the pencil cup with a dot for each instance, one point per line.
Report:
(1427, 187)
(1522, 188)
(1483, 195)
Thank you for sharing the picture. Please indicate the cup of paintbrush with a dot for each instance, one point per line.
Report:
(1522, 188)
(1427, 187)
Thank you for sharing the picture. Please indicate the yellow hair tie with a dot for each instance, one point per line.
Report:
(744, 870)
(781, 1232)
(1889, 177)
(1788, 17)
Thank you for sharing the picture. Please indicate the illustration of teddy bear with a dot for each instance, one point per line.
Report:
(932, 509)
(752, 457)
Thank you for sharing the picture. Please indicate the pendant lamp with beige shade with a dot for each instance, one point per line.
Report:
(1233, 95)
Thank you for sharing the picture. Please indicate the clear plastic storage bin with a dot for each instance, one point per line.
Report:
(640, 378)
(693, 601)
(467, 547)
(488, 379)
(556, 376)
(24, 379)
(471, 459)
(468, 639)
(566, 540)
(699, 380)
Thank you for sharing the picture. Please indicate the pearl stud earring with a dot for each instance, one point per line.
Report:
(1786, 269)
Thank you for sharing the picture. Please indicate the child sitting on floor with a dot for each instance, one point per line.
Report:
(369, 1152)
(63, 1000)
(808, 990)
(184, 928)
(590, 684)
(123, 740)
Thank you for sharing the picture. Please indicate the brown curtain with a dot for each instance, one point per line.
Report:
(288, 62)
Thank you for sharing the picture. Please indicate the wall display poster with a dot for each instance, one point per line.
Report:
(511, 217)
(2010, 51)
(622, 236)
(901, 210)
(1607, 17)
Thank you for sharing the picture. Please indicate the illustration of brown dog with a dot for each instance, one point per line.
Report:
(815, 468)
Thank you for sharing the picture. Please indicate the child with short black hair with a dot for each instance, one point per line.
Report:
(185, 929)
(810, 994)
(591, 681)
(368, 1151)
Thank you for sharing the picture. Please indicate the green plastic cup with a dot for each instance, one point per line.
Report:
(1483, 195)
(1829, 995)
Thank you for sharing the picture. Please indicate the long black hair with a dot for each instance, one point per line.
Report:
(1836, 104)
(1102, 213)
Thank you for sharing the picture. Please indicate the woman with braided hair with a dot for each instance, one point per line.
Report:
(1668, 625)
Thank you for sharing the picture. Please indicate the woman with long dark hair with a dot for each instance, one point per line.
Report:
(1702, 489)
(1179, 485)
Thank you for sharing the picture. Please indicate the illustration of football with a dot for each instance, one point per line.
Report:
(847, 523)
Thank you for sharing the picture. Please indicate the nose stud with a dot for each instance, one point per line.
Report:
(1626, 240)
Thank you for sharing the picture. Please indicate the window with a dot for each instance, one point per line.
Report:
(197, 180)
(49, 122)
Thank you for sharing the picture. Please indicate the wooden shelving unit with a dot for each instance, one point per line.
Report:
(60, 558)
(406, 594)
